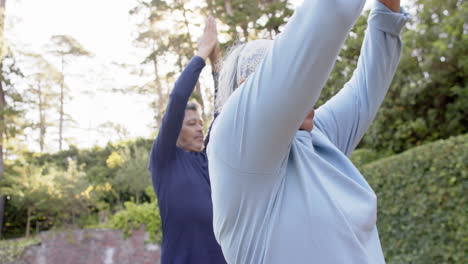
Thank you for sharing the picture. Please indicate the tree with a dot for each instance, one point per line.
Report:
(111, 128)
(132, 174)
(428, 96)
(427, 100)
(66, 48)
(249, 20)
(9, 100)
(12, 120)
(73, 192)
(154, 39)
(30, 189)
(164, 47)
(42, 81)
(2, 106)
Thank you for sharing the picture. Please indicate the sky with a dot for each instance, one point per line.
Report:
(103, 27)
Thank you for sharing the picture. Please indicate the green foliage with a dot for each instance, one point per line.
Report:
(428, 96)
(132, 175)
(72, 197)
(12, 249)
(136, 215)
(247, 20)
(51, 195)
(13, 109)
(422, 198)
(363, 156)
(64, 45)
(115, 160)
(29, 187)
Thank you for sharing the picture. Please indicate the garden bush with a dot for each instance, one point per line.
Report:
(136, 215)
(422, 199)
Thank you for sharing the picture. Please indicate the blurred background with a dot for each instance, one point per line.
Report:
(84, 85)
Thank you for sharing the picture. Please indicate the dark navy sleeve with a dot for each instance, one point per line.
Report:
(164, 146)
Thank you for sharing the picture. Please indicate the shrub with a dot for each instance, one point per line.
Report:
(423, 200)
(10, 250)
(363, 156)
(136, 215)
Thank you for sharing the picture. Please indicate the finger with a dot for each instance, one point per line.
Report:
(210, 21)
(207, 23)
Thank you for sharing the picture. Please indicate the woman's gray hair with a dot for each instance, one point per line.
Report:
(241, 61)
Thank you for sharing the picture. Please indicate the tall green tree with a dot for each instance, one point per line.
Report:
(31, 189)
(429, 93)
(165, 47)
(12, 121)
(66, 48)
(72, 190)
(247, 20)
(10, 100)
(154, 39)
(2, 105)
(43, 80)
(427, 100)
(132, 174)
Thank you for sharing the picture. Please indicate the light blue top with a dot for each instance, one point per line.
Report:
(286, 196)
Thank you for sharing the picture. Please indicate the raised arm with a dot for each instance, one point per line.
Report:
(259, 121)
(214, 58)
(165, 144)
(346, 117)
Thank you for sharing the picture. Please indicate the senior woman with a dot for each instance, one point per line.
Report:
(283, 187)
(179, 169)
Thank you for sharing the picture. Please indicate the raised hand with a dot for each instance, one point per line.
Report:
(209, 39)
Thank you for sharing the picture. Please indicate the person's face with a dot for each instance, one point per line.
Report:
(308, 122)
(191, 134)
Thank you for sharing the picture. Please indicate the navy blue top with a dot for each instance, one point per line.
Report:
(182, 185)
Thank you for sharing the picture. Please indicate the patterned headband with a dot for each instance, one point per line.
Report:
(250, 56)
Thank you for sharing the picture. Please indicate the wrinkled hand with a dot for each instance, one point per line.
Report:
(393, 5)
(209, 39)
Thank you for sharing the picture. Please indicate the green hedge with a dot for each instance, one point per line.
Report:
(423, 202)
(363, 156)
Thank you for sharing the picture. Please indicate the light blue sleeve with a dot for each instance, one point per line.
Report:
(254, 131)
(346, 116)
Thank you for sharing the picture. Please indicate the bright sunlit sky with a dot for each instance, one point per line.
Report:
(105, 28)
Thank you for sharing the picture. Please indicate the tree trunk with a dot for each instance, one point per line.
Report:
(210, 6)
(159, 93)
(2, 135)
(137, 198)
(245, 31)
(62, 99)
(2, 106)
(228, 6)
(197, 92)
(42, 120)
(2, 210)
(28, 224)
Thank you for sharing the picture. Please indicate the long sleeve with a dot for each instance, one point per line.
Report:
(164, 146)
(254, 131)
(346, 116)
